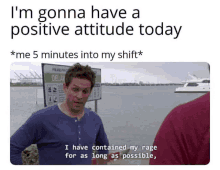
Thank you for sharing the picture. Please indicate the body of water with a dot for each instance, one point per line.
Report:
(131, 115)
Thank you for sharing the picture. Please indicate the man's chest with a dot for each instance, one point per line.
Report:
(75, 132)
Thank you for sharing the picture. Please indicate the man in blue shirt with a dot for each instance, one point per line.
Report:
(65, 133)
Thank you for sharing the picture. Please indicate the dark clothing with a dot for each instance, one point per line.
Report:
(51, 130)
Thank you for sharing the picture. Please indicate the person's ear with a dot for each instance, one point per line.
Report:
(65, 88)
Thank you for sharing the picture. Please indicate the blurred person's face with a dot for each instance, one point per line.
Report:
(77, 94)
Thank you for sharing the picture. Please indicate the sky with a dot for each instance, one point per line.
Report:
(122, 72)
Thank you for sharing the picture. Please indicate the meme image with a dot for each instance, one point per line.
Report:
(114, 84)
(110, 113)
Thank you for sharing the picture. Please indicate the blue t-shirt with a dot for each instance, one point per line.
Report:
(52, 131)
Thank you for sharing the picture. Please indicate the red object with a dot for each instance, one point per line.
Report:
(184, 136)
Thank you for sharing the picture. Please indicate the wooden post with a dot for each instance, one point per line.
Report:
(96, 106)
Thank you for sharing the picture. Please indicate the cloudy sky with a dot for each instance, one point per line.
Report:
(152, 72)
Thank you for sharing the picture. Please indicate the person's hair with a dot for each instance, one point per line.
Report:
(82, 72)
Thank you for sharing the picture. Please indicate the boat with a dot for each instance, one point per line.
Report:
(194, 85)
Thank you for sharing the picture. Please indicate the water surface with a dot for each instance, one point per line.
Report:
(131, 115)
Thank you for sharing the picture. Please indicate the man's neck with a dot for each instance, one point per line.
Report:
(64, 108)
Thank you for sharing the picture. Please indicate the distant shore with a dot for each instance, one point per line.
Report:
(171, 84)
(26, 86)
